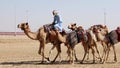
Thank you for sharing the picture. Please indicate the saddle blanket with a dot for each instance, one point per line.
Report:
(72, 38)
(48, 27)
(118, 33)
(113, 37)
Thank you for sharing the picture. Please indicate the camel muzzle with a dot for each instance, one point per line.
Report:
(18, 26)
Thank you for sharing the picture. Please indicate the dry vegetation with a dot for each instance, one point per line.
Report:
(21, 52)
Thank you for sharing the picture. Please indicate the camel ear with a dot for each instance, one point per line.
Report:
(105, 26)
(27, 23)
(74, 24)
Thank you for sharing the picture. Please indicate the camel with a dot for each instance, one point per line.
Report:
(64, 39)
(71, 50)
(110, 39)
(43, 37)
(101, 37)
(104, 29)
(87, 40)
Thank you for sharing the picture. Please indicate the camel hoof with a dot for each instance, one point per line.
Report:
(81, 62)
(42, 62)
(52, 61)
(103, 62)
(100, 59)
(39, 53)
(48, 59)
(60, 60)
(93, 62)
(71, 62)
(115, 59)
(76, 59)
(87, 58)
(68, 61)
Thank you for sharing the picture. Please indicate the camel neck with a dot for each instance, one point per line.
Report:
(31, 35)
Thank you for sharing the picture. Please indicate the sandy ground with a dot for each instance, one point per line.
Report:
(22, 52)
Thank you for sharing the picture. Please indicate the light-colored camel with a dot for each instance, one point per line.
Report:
(108, 38)
(43, 37)
(87, 44)
(40, 35)
(100, 38)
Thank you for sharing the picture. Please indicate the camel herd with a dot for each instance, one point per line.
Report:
(88, 38)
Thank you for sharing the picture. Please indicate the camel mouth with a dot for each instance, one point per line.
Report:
(18, 26)
(69, 27)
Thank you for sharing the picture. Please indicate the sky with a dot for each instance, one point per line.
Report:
(39, 12)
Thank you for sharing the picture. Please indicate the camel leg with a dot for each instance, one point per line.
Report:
(88, 55)
(84, 57)
(108, 50)
(105, 49)
(72, 56)
(60, 57)
(93, 52)
(76, 59)
(58, 52)
(41, 51)
(98, 52)
(86, 51)
(43, 56)
(68, 52)
(69, 57)
(115, 58)
(71, 52)
(51, 51)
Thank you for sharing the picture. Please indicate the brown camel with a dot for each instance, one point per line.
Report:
(43, 37)
(88, 41)
(110, 39)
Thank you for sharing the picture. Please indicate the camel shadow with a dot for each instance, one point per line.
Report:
(33, 63)
(37, 62)
(20, 63)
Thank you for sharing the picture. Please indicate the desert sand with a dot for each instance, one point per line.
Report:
(22, 52)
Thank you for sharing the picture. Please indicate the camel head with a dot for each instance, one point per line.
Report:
(80, 28)
(72, 26)
(24, 26)
(103, 30)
